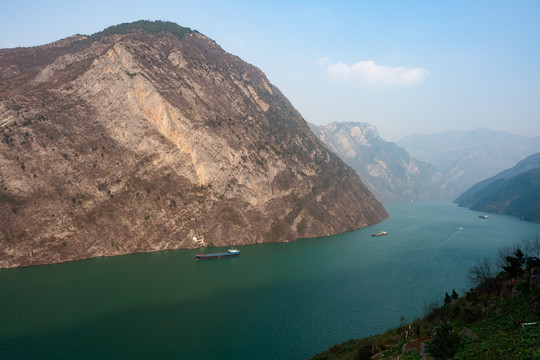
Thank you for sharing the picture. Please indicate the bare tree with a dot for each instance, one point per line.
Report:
(480, 271)
(531, 245)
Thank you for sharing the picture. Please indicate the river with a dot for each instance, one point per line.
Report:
(275, 301)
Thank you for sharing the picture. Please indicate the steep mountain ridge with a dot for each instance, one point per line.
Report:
(140, 138)
(387, 169)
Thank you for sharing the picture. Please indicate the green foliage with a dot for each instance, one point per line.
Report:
(500, 336)
(363, 353)
(343, 351)
(514, 264)
(447, 299)
(445, 344)
(147, 27)
(411, 356)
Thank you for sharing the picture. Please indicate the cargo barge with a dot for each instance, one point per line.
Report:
(229, 253)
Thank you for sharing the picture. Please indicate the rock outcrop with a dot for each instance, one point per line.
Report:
(146, 135)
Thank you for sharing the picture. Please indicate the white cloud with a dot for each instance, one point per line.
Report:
(367, 73)
(322, 61)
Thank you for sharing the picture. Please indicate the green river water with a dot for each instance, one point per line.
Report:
(275, 301)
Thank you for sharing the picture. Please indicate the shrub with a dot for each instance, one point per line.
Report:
(514, 264)
(363, 353)
(445, 344)
(147, 27)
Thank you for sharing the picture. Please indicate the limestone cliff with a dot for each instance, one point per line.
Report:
(146, 135)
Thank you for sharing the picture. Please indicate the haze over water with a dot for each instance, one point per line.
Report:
(286, 301)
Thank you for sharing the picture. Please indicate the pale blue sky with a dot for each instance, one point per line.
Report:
(404, 66)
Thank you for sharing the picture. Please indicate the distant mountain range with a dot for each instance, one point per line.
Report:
(515, 191)
(424, 167)
(464, 158)
(387, 169)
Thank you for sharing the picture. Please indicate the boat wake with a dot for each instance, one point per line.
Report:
(454, 234)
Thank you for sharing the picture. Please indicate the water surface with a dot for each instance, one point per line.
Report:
(286, 301)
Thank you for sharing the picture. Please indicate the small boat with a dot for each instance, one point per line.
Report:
(483, 216)
(380, 233)
(229, 253)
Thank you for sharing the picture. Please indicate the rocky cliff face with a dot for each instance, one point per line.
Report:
(387, 169)
(137, 139)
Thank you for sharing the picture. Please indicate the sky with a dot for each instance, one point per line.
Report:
(404, 66)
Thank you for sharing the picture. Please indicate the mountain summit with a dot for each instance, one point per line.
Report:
(148, 136)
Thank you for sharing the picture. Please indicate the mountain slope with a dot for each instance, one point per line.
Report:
(464, 158)
(387, 169)
(515, 191)
(145, 135)
(529, 163)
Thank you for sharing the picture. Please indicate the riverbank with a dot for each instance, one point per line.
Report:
(500, 318)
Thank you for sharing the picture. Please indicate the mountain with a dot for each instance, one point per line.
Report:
(464, 158)
(387, 169)
(148, 136)
(515, 191)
